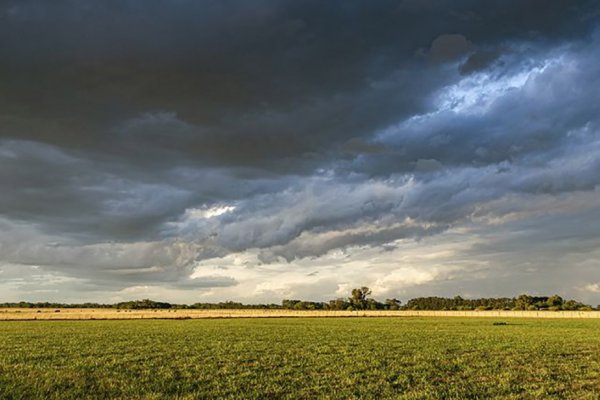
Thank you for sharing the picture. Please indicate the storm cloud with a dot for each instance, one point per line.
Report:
(257, 150)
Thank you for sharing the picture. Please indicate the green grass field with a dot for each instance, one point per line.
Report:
(371, 358)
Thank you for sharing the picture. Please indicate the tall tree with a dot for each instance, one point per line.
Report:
(359, 297)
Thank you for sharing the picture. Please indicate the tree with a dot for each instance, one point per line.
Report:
(523, 302)
(359, 298)
(392, 304)
(339, 304)
(555, 301)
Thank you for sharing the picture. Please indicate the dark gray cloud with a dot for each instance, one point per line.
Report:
(448, 47)
(140, 140)
(295, 77)
(479, 60)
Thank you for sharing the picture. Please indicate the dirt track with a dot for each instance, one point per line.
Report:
(91, 314)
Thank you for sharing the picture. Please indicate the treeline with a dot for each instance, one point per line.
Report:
(45, 304)
(149, 305)
(145, 304)
(359, 300)
(522, 302)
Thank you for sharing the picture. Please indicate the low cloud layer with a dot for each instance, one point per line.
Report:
(217, 150)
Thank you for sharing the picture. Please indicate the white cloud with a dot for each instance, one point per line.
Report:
(592, 287)
(207, 212)
(476, 93)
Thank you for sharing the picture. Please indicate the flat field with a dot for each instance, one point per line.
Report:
(301, 358)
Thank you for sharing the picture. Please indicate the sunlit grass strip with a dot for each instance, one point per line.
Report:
(101, 314)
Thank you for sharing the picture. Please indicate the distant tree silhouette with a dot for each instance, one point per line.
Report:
(359, 300)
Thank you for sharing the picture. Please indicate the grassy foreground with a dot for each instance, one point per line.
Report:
(405, 358)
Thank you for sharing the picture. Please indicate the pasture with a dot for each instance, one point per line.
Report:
(301, 358)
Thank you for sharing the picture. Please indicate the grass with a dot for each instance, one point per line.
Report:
(306, 358)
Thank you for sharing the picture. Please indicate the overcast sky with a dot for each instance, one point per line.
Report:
(258, 150)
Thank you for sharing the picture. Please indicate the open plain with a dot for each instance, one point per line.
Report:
(302, 358)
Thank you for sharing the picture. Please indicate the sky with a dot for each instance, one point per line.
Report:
(197, 151)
